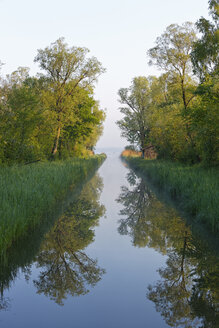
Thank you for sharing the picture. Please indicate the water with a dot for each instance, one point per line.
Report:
(117, 257)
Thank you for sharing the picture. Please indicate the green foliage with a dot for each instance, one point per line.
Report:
(68, 72)
(173, 47)
(54, 113)
(29, 193)
(21, 125)
(204, 56)
(179, 117)
(134, 125)
(205, 121)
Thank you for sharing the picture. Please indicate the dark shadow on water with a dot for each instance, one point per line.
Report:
(187, 294)
(57, 246)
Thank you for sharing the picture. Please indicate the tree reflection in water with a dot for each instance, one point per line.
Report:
(65, 267)
(187, 295)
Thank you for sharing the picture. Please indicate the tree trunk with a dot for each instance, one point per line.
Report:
(186, 111)
(56, 142)
(142, 153)
(60, 147)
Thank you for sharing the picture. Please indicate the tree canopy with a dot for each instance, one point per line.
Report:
(179, 109)
(52, 113)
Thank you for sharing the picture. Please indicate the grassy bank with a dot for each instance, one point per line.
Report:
(29, 193)
(194, 188)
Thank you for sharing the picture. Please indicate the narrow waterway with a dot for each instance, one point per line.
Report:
(117, 257)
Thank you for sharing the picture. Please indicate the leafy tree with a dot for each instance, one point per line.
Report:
(52, 112)
(204, 56)
(172, 54)
(205, 120)
(21, 116)
(88, 125)
(23, 121)
(66, 70)
(167, 127)
(205, 59)
(134, 125)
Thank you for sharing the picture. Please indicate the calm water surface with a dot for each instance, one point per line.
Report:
(117, 257)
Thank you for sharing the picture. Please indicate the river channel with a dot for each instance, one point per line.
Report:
(117, 257)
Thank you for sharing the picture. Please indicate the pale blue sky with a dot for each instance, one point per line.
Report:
(117, 32)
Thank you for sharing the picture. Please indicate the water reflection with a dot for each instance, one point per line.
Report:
(187, 294)
(64, 267)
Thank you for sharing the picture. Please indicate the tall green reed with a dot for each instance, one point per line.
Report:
(28, 193)
(195, 188)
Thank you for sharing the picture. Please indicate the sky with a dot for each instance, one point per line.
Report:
(117, 32)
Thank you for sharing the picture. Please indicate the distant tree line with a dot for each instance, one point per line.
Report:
(52, 114)
(177, 113)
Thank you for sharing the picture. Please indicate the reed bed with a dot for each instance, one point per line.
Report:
(130, 152)
(28, 193)
(194, 188)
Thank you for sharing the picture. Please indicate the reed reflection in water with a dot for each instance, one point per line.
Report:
(59, 255)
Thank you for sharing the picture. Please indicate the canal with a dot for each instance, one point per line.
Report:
(116, 257)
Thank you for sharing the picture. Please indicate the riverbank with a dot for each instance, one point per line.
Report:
(195, 189)
(28, 193)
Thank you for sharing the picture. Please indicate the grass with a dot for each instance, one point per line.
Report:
(29, 193)
(194, 188)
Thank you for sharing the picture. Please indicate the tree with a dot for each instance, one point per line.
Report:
(66, 70)
(83, 135)
(172, 54)
(134, 125)
(167, 127)
(21, 115)
(205, 120)
(205, 58)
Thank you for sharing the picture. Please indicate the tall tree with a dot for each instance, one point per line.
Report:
(21, 116)
(205, 55)
(83, 134)
(205, 59)
(134, 125)
(172, 54)
(66, 69)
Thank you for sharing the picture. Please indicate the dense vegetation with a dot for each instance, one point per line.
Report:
(29, 193)
(53, 113)
(177, 113)
(175, 117)
(194, 188)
